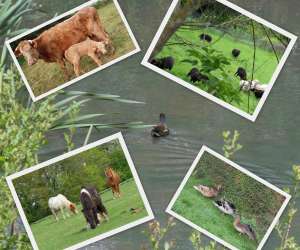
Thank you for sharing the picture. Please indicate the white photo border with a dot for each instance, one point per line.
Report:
(236, 166)
(182, 82)
(66, 84)
(121, 140)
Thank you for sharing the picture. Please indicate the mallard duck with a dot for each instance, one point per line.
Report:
(244, 228)
(209, 192)
(225, 206)
(161, 129)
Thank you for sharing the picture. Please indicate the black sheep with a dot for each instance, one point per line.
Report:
(235, 53)
(205, 37)
(241, 73)
(196, 75)
(164, 62)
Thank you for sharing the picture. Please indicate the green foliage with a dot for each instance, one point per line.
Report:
(157, 236)
(197, 243)
(231, 145)
(11, 15)
(67, 177)
(283, 228)
(21, 128)
(213, 64)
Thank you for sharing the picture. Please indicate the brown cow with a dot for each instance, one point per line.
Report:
(51, 45)
(113, 181)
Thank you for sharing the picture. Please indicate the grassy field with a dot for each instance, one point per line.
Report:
(43, 77)
(266, 62)
(50, 234)
(202, 212)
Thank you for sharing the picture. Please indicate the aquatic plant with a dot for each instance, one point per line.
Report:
(198, 244)
(157, 235)
(231, 145)
(283, 228)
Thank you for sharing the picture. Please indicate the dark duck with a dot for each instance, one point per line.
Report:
(161, 129)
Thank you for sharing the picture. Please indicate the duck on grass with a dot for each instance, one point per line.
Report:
(228, 203)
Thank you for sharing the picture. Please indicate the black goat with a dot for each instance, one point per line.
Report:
(196, 75)
(205, 37)
(235, 53)
(241, 73)
(164, 62)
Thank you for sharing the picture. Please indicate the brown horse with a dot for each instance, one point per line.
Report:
(113, 181)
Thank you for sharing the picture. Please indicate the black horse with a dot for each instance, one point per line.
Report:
(92, 206)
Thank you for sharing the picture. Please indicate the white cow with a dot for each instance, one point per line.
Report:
(60, 203)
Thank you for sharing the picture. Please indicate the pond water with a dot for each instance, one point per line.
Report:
(271, 144)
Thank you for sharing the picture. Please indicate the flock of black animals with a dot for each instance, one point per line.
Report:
(92, 206)
(164, 62)
(195, 74)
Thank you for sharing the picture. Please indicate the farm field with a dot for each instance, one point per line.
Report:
(265, 62)
(72, 230)
(43, 76)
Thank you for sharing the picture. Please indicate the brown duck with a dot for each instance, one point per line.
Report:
(244, 228)
(161, 129)
(209, 192)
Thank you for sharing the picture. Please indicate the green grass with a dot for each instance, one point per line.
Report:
(266, 62)
(50, 234)
(43, 76)
(202, 212)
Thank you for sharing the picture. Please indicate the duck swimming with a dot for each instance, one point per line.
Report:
(161, 129)
(244, 228)
(209, 192)
(225, 206)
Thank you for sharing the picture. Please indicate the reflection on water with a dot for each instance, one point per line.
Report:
(271, 144)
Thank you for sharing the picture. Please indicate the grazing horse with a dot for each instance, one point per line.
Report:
(92, 206)
(59, 203)
(113, 181)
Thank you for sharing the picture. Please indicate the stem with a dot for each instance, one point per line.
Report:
(253, 63)
(88, 135)
(275, 53)
(289, 225)
(12, 227)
